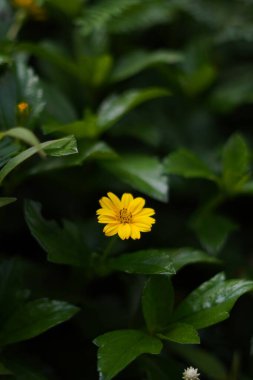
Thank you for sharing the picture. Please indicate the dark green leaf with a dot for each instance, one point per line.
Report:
(144, 262)
(119, 348)
(22, 134)
(157, 303)
(143, 173)
(71, 8)
(206, 362)
(6, 201)
(116, 106)
(188, 165)
(34, 318)
(235, 160)
(213, 231)
(211, 302)
(64, 245)
(4, 370)
(180, 333)
(8, 149)
(139, 60)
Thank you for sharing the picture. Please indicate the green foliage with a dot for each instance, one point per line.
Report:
(145, 97)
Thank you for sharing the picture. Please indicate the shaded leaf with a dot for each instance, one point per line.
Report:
(211, 302)
(116, 106)
(23, 134)
(144, 262)
(185, 256)
(119, 348)
(35, 317)
(188, 165)
(6, 201)
(180, 333)
(137, 61)
(143, 173)
(157, 303)
(64, 245)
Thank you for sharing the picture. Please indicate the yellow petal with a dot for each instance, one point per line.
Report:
(136, 205)
(106, 219)
(126, 199)
(108, 212)
(135, 234)
(115, 200)
(143, 219)
(106, 203)
(143, 227)
(124, 231)
(110, 230)
(147, 212)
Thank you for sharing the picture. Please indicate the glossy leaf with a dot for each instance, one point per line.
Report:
(33, 318)
(211, 302)
(186, 164)
(236, 160)
(144, 262)
(143, 173)
(64, 245)
(61, 147)
(213, 231)
(116, 106)
(119, 348)
(157, 303)
(137, 61)
(186, 256)
(180, 333)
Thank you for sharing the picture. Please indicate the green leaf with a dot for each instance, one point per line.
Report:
(4, 370)
(61, 147)
(212, 231)
(23, 134)
(71, 8)
(143, 173)
(157, 303)
(119, 348)
(29, 88)
(186, 164)
(137, 61)
(144, 262)
(211, 302)
(185, 256)
(8, 149)
(64, 245)
(34, 318)
(6, 201)
(206, 362)
(236, 161)
(116, 106)
(180, 333)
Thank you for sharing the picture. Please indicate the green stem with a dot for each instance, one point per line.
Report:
(19, 19)
(109, 247)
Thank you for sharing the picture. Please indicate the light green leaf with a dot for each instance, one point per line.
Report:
(33, 318)
(144, 262)
(211, 302)
(157, 303)
(119, 348)
(64, 245)
(137, 61)
(236, 161)
(6, 201)
(143, 173)
(180, 333)
(212, 231)
(61, 147)
(116, 106)
(23, 134)
(186, 164)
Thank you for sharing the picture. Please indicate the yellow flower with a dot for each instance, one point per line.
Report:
(31, 7)
(22, 107)
(126, 217)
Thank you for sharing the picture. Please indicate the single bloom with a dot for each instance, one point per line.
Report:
(126, 217)
(191, 373)
(22, 107)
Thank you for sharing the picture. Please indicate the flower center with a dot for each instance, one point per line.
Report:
(125, 216)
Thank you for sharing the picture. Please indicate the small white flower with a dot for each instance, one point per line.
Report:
(191, 373)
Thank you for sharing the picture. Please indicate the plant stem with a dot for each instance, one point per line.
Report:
(19, 19)
(109, 247)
